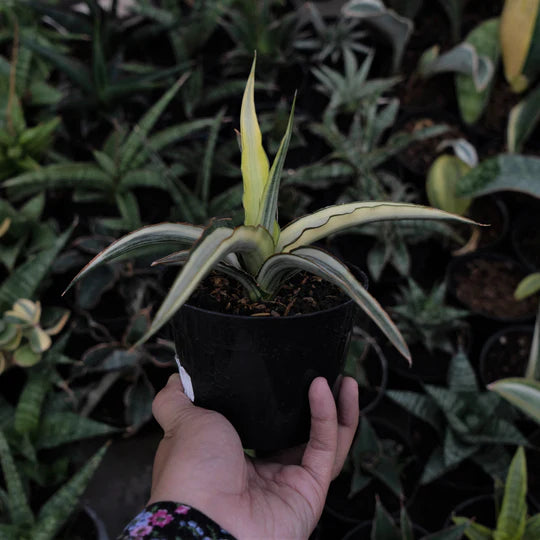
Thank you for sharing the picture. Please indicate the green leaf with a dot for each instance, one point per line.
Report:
(523, 393)
(463, 58)
(472, 102)
(138, 134)
(203, 184)
(506, 172)
(522, 120)
(25, 280)
(24, 356)
(19, 508)
(57, 428)
(64, 175)
(451, 533)
(383, 525)
(254, 163)
(55, 512)
(129, 209)
(253, 242)
(532, 528)
(152, 239)
(442, 180)
(138, 401)
(419, 405)
(528, 286)
(326, 266)
(513, 513)
(28, 411)
(473, 531)
(334, 219)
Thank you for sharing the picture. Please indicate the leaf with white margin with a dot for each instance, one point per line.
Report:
(329, 268)
(253, 242)
(144, 241)
(254, 162)
(396, 28)
(463, 58)
(337, 218)
(523, 393)
(231, 270)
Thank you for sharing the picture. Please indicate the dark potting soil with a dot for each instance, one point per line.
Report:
(507, 356)
(487, 287)
(420, 155)
(303, 293)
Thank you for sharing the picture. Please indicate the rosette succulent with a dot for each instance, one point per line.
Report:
(260, 254)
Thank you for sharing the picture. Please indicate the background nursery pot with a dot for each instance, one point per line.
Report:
(256, 371)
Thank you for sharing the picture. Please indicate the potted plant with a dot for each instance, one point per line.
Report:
(256, 368)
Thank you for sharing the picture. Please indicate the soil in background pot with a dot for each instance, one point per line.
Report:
(485, 283)
(506, 353)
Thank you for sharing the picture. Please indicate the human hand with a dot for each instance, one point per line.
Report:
(200, 462)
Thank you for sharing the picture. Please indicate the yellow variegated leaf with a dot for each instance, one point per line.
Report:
(255, 244)
(3, 362)
(255, 166)
(25, 357)
(518, 31)
(39, 340)
(24, 312)
(11, 338)
(57, 327)
(334, 219)
(4, 226)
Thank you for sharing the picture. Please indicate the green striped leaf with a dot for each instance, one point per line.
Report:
(64, 175)
(254, 242)
(19, 508)
(334, 219)
(505, 172)
(523, 393)
(254, 163)
(324, 265)
(471, 101)
(138, 134)
(55, 512)
(513, 513)
(532, 528)
(152, 239)
(28, 411)
(473, 531)
(25, 280)
(57, 428)
(451, 533)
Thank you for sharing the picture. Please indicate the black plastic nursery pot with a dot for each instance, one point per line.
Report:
(256, 371)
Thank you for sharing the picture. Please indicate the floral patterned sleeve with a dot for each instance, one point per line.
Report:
(173, 521)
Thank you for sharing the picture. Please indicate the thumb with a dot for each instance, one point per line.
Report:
(171, 404)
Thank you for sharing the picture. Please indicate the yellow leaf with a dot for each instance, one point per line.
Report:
(254, 165)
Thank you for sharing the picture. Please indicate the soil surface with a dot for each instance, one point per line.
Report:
(487, 287)
(303, 293)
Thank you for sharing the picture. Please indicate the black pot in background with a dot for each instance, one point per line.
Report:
(506, 353)
(84, 524)
(256, 371)
(526, 240)
(484, 283)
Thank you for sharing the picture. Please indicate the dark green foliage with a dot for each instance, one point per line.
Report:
(471, 424)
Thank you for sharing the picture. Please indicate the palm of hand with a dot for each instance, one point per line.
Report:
(201, 462)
